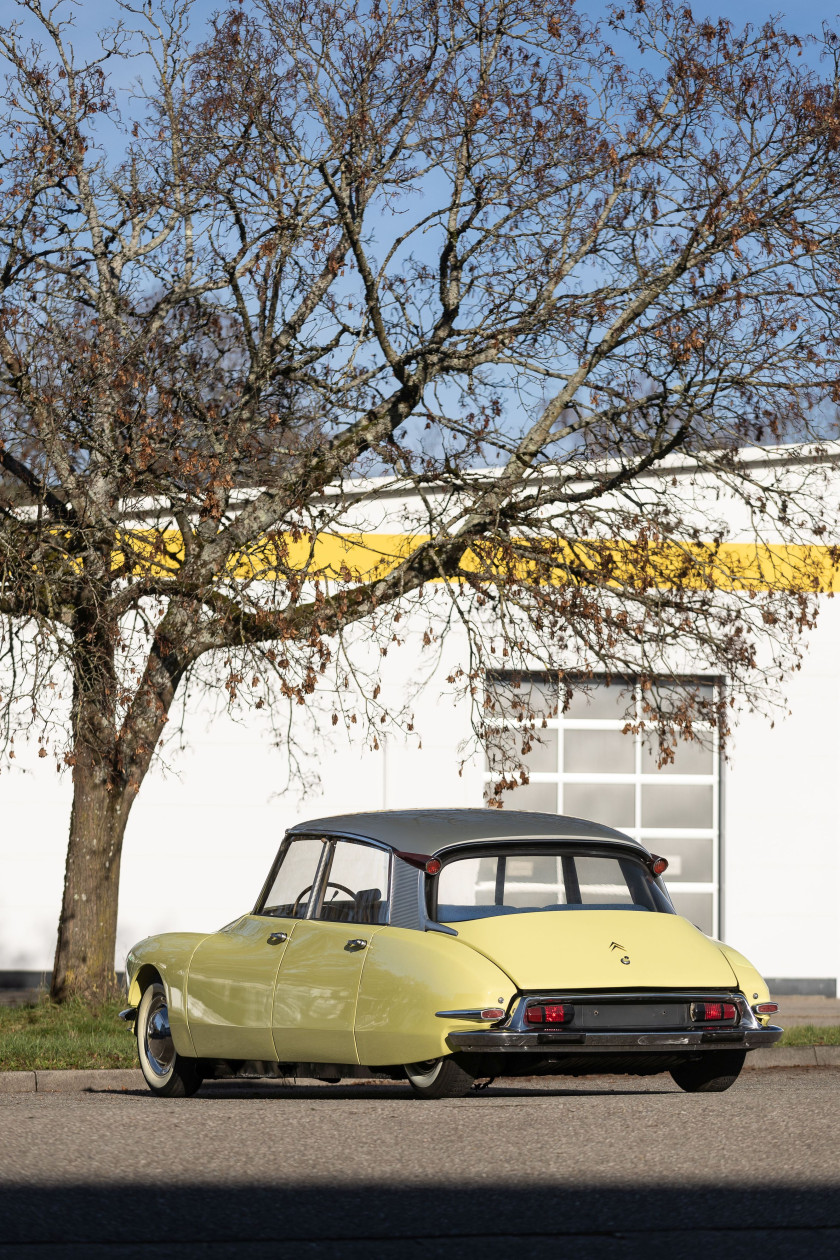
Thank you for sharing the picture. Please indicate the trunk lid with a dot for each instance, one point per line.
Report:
(583, 949)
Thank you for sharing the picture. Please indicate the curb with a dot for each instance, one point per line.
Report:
(69, 1081)
(98, 1079)
(794, 1056)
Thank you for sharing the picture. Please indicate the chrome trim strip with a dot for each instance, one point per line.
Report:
(626, 842)
(474, 1014)
(316, 892)
(431, 925)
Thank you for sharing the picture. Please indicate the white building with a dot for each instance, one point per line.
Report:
(753, 843)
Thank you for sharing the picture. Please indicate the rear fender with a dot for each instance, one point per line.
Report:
(752, 985)
(408, 976)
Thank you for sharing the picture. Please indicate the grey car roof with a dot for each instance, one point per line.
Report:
(429, 831)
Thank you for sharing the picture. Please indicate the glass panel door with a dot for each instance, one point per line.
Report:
(584, 764)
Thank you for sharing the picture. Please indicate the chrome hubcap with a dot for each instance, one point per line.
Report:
(157, 1038)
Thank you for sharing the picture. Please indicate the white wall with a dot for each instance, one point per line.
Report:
(35, 812)
(781, 874)
(202, 835)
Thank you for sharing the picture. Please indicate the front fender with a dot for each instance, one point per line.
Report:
(168, 957)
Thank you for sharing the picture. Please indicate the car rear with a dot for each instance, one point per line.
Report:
(608, 976)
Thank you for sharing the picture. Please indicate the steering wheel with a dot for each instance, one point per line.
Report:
(341, 888)
(330, 884)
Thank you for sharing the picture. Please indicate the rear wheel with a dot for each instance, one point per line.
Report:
(438, 1078)
(167, 1073)
(711, 1073)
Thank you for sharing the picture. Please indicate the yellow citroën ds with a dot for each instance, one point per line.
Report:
(443, 946)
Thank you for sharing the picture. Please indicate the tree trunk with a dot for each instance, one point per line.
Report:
(110, 765)
(87, 928)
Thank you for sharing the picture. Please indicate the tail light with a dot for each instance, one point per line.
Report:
(766, 1008)
(492, 1012)
(549, 1013)
(423, 863)
(714, 1012)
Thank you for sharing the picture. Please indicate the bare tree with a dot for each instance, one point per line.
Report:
(332, 240)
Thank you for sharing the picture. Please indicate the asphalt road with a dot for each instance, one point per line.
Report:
(602, 1168)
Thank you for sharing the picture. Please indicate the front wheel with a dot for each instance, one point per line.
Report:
(167, 1073)
(438, 1078)
(711, 1073)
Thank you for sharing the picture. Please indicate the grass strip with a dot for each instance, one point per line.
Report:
(42, 1035)
(811, 1035)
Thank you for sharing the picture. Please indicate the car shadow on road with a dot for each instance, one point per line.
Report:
(397, 1091)
(323, 1091)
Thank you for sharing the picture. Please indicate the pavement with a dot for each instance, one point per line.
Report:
(20, 997)
(795, 1010)
(602, 1169)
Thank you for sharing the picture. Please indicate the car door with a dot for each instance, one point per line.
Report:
(318, 981)
(232, 974)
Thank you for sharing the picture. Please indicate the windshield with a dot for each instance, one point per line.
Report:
(516, 881)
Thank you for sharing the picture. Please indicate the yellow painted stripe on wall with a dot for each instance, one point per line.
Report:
(354, 557)
(351, 557)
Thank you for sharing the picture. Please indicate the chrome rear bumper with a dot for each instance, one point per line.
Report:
(540, 1042)
(636, 1022)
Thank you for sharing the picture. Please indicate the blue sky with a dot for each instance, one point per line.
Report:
(89, 16)
(803, 17)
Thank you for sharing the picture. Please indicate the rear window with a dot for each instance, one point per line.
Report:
(522, 881)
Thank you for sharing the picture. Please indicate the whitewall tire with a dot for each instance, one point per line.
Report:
(167, 1073)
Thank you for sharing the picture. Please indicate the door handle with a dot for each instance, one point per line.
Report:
(358, 942)
(277, 938)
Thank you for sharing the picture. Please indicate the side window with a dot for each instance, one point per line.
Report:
(357, 885)
(288, 897)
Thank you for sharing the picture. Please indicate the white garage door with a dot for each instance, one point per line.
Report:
(582, 764)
